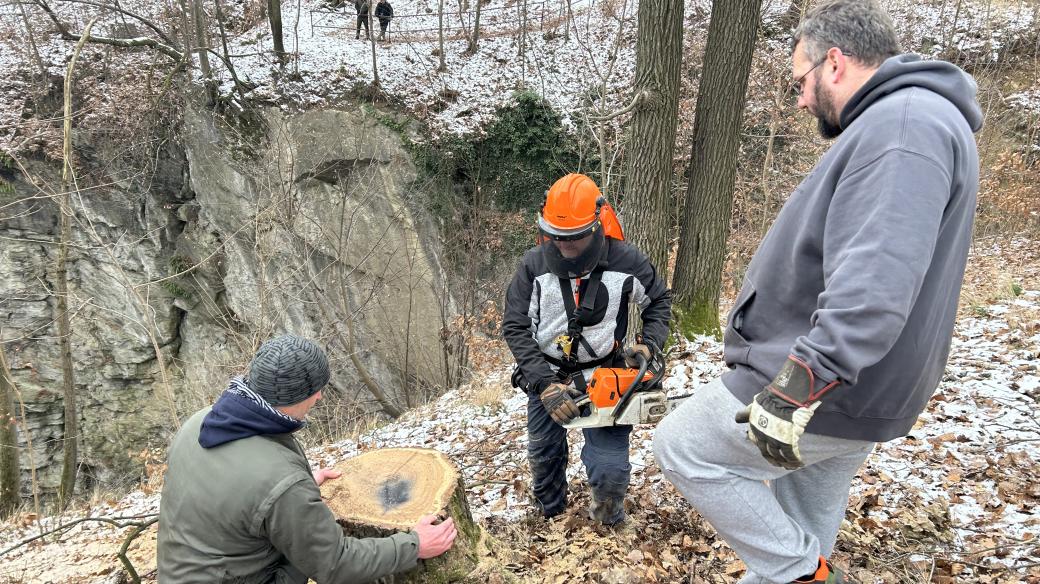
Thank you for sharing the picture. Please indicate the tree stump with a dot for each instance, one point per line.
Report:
(385, 491)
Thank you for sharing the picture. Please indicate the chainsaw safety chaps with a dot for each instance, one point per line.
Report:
(605, 456)
(547, 454)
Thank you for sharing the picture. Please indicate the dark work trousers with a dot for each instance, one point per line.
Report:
(605, 456)
(362, 20)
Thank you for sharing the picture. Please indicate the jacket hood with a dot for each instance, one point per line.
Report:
(241, 413)
(909, 70)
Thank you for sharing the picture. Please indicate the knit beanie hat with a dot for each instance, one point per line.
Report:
(287, 370)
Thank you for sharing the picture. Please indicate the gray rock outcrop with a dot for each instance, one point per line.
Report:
(303, 224)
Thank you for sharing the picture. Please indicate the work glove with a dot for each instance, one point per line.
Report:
(631, 352)
(558, 400)
(778, 415)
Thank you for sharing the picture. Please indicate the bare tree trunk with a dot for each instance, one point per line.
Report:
(224, 45)
(648, 179)
(202, 44)
(274, 16)
(713, 164)
(122, 15)
(70, 460)
(10, 467)
(440, 35)
(32, 43)
(567, 26)
(372, 43)
(186, 33)
(779, 93)
(476, 31)
(349, 345)
(523, 42)
(948, 48)
(201, 38)
(296, 38)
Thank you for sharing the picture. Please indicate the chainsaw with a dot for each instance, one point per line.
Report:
(625, 396)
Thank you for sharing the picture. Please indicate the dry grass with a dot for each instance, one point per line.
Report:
(487, 396)
(989, 285)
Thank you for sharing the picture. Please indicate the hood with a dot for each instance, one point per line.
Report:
(910, 70)
(241, 413)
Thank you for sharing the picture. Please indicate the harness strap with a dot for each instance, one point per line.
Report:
(577, 317)
(567, 367)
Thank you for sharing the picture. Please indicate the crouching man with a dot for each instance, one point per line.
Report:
(240, 504)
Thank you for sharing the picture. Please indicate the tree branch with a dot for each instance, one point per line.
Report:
(124, 43)
(639, 99)
(127, 564)
(166, 39)
(119, 522)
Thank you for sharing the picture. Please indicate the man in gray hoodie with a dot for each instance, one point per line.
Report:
(842, 328)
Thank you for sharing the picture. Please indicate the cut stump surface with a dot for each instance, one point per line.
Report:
(382, 492)
(391, 488)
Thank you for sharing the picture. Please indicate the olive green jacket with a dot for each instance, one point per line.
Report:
(249, 512)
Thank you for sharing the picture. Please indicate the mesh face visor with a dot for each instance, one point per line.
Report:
(580, 265)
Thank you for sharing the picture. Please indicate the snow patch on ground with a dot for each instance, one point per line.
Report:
(972, 455)
(578, 61)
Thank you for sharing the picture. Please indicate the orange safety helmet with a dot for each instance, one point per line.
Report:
(575, 207)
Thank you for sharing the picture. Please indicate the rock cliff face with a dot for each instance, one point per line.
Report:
(302, 224)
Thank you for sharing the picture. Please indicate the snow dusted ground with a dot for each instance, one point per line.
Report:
(599, 52)
(464, 97)
(963, 483)
(597, 55)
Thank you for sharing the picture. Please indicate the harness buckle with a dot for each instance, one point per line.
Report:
(565, 342)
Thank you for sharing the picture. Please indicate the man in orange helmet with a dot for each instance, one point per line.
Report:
(566, 313)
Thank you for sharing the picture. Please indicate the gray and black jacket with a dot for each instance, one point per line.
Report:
(860, 275)
(535, 313)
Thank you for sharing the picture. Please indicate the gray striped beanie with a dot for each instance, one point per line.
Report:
(287, 370)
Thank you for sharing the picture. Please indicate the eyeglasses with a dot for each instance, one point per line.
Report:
(796, 86)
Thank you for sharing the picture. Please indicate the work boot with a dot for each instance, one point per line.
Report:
(610, 511)
(826, 574)
(357, 36)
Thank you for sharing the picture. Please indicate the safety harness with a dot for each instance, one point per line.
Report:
(579, 315)
(579, 312)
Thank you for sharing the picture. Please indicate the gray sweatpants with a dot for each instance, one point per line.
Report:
(778, 529)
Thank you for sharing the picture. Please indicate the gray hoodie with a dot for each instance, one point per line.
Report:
(860, 274)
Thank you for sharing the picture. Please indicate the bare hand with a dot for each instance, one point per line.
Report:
(434, 540)
(322, 474)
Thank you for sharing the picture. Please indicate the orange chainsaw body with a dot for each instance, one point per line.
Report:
(608, 384)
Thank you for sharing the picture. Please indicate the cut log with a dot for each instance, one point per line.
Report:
(385, 491)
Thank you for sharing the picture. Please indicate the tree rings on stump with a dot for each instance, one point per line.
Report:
(385, 491)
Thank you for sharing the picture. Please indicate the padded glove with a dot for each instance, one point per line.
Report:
(636, 349)
(778, 415)
(558, 400)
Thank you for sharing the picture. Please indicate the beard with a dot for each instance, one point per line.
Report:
(826, 116)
